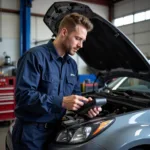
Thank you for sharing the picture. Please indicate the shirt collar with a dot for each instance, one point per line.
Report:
(54, 54)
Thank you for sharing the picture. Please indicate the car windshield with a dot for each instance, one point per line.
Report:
(127, 83)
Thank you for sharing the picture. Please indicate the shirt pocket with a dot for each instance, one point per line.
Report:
(70, 83)
(48, 78)
(49, 83)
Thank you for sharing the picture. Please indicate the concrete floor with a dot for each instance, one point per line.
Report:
(3, 131)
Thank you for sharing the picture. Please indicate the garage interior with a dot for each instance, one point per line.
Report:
(22, 27)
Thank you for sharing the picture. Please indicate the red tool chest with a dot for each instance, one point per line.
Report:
(7, 99)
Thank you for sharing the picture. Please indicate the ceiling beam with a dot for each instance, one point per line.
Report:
(116, 1)
(98, 2)
(18, 11)
(9, 10)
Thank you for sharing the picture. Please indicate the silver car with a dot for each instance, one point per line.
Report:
(124, 123)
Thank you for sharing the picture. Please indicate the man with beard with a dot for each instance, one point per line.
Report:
(47, 85)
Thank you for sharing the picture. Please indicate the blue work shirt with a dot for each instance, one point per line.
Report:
(43, 79)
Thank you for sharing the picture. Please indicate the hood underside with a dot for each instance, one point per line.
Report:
(107, 51)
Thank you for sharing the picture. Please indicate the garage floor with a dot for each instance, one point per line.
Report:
(3, 131)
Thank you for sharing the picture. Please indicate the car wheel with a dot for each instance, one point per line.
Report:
(138, 148)
(6, 147)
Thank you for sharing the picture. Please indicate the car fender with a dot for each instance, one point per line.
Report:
(132, 136)
(127, 137)
(127, 131)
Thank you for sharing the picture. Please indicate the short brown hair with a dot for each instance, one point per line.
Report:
(71, 20)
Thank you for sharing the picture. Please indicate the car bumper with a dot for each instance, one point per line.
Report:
(84, 146)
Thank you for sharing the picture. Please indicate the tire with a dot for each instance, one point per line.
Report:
(137, 149)
(6, 146)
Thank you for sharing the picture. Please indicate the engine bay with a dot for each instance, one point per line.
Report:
(115, 105)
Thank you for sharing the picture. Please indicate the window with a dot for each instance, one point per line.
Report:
(123, 20)
(139, 17)
(147, 14)
(128, 19)
(118, 22)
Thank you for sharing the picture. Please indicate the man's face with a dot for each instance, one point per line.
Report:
(73, 41)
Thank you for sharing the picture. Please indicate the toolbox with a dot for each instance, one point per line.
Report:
(89, 87)
(7, 98)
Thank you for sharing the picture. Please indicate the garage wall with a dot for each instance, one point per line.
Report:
(9, 30)
(138, 32)
(39, 31)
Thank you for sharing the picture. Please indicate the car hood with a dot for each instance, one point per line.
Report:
(107, 51)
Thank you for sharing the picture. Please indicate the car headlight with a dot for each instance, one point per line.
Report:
(83, 133)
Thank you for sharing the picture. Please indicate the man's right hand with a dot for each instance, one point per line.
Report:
(73, 102)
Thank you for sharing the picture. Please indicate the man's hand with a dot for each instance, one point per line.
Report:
(73, 102)
(93, 112)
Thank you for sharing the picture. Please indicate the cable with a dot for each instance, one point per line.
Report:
(97, 76)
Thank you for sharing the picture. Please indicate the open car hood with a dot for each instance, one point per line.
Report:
(107, 51)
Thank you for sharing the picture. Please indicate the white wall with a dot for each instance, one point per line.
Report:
(39, 31)
(10, 4)
(139, 32)
(10, 31)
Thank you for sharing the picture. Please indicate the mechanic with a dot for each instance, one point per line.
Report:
(47, 85)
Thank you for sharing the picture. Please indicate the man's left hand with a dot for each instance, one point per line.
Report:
(94, 111)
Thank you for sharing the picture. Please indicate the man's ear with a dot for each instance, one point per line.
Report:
(64, 32)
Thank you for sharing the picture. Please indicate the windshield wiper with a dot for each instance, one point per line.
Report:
(135, 93)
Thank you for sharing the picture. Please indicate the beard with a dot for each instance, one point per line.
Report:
(67, 46)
